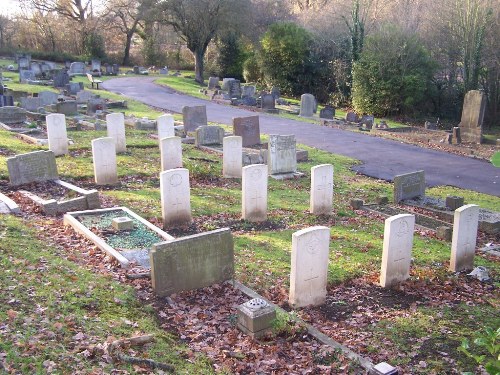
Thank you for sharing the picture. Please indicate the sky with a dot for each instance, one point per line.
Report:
(9, 7)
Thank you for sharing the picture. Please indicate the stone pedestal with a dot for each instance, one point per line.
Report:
(255, 317)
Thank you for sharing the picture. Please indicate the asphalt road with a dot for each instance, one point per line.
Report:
(380, 158)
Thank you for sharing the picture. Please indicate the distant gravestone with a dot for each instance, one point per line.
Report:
(145, 124)
(321, 202)
(24, 62)
(96, 65)
(12, 115)
(194, 117)
(213, 82)
(282, 154)
(307, 103)
(32, 167)
(74, 87)
(351, 117)
(248, 129)
(192, 262)
(254, 192)
(175, 197)
(104, 158)
(136, 69)
(275, 92)
(82, 97)
(35, 67)
(309, 266)
(170, 153)
(232, 157)
(234, 88)
(165, 125)
(471, 124)
(163, 71)
(61, 78)
(31, 104)
(115, 124)
(267, 102)
(327, 113)
(248, 91)
(367, 121)
(208, 135)
(57, 134)
(6, 101)
(396, 253)
(463, 243)
(76, 68)
(116, 69)
(48, 97)
(409, 185)
(226, 84)
(96, 104)
(26, 75)
(108, 69)
(68, 107)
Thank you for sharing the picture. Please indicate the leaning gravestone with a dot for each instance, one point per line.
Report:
(12, 115)
(471, 124)
(396, 253)
(254, 192)
(192, 262)
(165, 125)
(309, 266)
(321, 189)
(175, 197)
(32, 167)
(194, 117)
(282, 154)
(248, 129)
(463, 243)
(212, 82)
(170, 153)
(409, 185)
(104, 158)
(76, 68)
(232, 160)
(57, 134)
(48, 97)
(31, 104)
(307, 104)
(209, 135)
(327, 113)
(115, 124)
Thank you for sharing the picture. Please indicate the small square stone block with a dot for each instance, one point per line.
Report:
(122, 223)
(444, 233)
(382, 199)
(255, 317)
(356, 204)
(453, 202)
(383, 368)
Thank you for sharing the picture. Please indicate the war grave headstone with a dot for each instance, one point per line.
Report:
(321, 202)
(463, 243)
(31, 104)
(104, 159)
(194, 117)
(68, 107)
(57, 134)
(170, 153)
(209, 136)
(232, 160)
(281, 156)
(165, 125)
(307, 103)
(409, 185)
(192, 262)
(351, 117)
(115, 124)
(26, 75)
(127, 246)
(61, 78)
(12, 115)
(248, 129)
(309, 266)
(213, 82)
(327, 113)
(471, 123)
(396, 253)
(248, 91)
(175, 197)
(254, 192)
(83, 96)
(76, 68)
(48, 97)
(6, 101)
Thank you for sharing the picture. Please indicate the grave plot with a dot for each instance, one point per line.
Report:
(119, 232)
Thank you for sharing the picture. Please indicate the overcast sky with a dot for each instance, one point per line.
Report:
(9, 7)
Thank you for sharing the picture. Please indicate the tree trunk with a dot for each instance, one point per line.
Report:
(126, 54)
(198, 61)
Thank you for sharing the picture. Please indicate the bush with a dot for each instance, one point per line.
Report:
(94, 46)
(251, 69)
(231, 56)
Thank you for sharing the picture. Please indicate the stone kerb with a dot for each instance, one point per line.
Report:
(232, 160)
(463, 243)
(175, 197)
(104, 158)
(309, 266)
(321, 201)
(33, 166)
(171, 153)
(396, 253)
(115, 123)
(57, 134)
(165, 125)
(254, 192)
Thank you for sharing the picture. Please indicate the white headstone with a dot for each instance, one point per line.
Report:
(115, 123)
(254, 192)
(282, 154)
(321, 189)
(396, 254)
(308, 275)
(165, 125)
(175, 197)
(463, 243)
(56, 133)
(104, 158)
(232, 157)
(171, 153)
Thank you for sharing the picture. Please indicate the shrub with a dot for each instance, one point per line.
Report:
(251, 69)
(231, 56)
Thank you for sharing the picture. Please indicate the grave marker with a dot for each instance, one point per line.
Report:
(31, 104)
(463, 243)
(194, 117)
(209, 135)
(12, 115)
(232, 157)
(171, 153)
(104, 158)
(57, 134)
(321, 189)
(115, 123)
(76, 68)
(471, 124)
(175, 197)
(212, 82)
(248, 129)
(68, 107)
(33, 166)
(282, 154)
(307, 105)
(409, 185)
(327, 113)
(254, 192)
(165, 125)
(48, 97)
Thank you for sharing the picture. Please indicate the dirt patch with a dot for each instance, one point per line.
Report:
(49, 190)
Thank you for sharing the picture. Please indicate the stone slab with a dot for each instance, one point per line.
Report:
(409, 185)
(34, 166)
(248, 128)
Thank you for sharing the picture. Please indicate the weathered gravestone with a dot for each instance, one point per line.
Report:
(6, 101)
(463, 243)
(61, 78)
(26, 75)
(275, 92)
(226, 83)
(48, 97)
(213, 82)
(234, 88)
(471, 124)
(307, 104)
(309, 266)
(396, 253)
(248, 129)
(192, 262)
(254, 192)
(57, 134)
(321, 189)
(83, 96)
(194, 117)
(170, 153)
(31, 104)
(267, 102)
(104, 158)
(409, 185)
(96, 104)
(175, 197)
(209, 135)
(108, 69)
(73, 87)
(76, 68)
(327, 113)
(32, 167)
(116, 69)
(232, 157)
(96, 66)
(12, 115)
(248, 91)
(282, 154)
(165, 125)
(115, 124)
(145, 124)
(367, 121)
(68, 107)
(36, 68)
(351, 117)
(24, 62)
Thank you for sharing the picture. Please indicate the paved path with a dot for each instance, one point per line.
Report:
(381, 158)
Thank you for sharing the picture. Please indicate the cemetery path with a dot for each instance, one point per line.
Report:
(380, 158)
